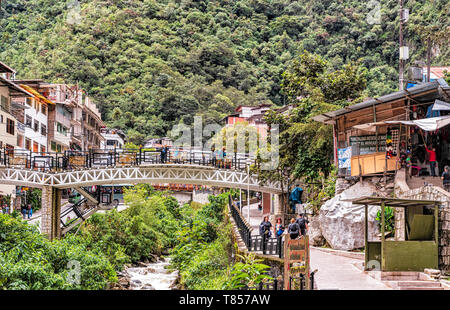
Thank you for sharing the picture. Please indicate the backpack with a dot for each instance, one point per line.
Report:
(301, 223)
(293, 228)
(261, 229)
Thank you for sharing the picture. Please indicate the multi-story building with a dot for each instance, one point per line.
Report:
(8, 123)
(74, 121)
(91, 124)
(113, 138)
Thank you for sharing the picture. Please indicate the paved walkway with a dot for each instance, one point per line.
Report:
(339, 273)
(256, 217)
(334, 271)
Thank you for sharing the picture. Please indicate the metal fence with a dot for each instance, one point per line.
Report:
(270, 246)
(73, 160)
(295, 283)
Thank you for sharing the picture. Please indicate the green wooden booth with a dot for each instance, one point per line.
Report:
(419, 250)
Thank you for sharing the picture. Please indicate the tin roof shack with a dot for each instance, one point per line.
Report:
(418, 251)
(363, 136)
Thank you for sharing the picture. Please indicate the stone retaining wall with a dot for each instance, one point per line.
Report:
(437, 193)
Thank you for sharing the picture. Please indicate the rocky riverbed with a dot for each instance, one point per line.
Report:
(148, 276)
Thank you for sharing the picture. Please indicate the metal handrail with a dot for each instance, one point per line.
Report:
(73, 160)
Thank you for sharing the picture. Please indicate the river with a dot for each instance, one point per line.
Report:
(152, 276)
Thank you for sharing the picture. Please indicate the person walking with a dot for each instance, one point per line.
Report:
(29, 211)
(432, 160)
(264, 230)
(446, 178)
(163, 151)
(279, 228)
(213, 156)
(24, 211)
(166, 154)
(293, 229)
(302, 224)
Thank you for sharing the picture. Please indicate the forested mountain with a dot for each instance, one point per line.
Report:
(151, 64)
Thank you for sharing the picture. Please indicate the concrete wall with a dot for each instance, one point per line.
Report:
(200, 197)
(182, 197)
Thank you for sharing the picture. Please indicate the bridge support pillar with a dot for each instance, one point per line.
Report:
(51, 212)
(277, 208)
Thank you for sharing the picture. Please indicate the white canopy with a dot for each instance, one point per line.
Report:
(440, 105)
(427, 124)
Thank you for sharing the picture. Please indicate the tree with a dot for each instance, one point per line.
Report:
(306, 146)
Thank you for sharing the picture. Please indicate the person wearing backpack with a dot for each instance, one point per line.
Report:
(264, 230)
(293, 229)
(302, 224)
(265, 226)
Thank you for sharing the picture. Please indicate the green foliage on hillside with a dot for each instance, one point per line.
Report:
(202, 254)
(144, 229)
(29, 261)
(151, 64)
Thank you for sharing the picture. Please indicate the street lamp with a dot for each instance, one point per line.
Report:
(248, 192)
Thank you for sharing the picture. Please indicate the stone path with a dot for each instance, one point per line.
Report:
(339, 273)
(256, 217)
(334, 271)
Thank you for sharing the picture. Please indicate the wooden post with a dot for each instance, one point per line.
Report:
(286, 262)
(382, 236)
(436, 224)
(366, 237)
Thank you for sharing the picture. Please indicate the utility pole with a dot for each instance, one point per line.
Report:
(401, 61)
(404, 51)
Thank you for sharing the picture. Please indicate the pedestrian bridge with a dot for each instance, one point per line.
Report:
(80, 169)
(152, 174)
(99, 167)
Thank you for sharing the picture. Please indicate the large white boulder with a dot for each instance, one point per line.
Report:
(342, 223)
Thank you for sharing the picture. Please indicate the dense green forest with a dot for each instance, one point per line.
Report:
(151, 64)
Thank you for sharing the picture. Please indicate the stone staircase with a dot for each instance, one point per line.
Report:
(410, 281)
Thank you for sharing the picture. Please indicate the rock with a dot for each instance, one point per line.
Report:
(136, 282)
(142, 264)
(315, 234)
(148, 287)
(125, 282)
(342, 224)
(341, 185)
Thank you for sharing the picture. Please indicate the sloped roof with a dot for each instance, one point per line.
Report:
(36, 94)
(416, 90)
(5, 68)
(15, 87)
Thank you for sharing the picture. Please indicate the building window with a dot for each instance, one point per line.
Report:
(43, 130)
(44, 109)
(36, 125)
(5, 103)
(28, 144)
(43, 149)
(61, 129)
(53, 146)
(10, 126)
(20, 141)
(35, 147)
(58, 148)
(29, 101)
(28, 121)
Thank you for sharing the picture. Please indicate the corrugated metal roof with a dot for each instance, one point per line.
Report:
(327, 117)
